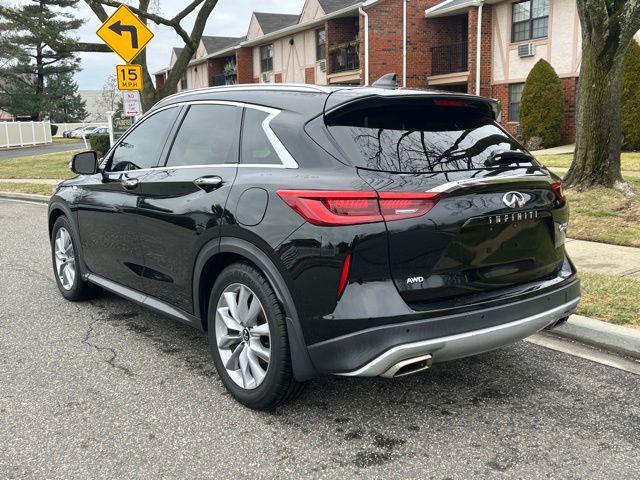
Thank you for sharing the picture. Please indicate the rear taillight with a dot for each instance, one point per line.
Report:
(398, 206)
(558, 189)
(334, 208)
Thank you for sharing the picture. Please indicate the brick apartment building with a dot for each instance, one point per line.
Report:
(485, 47)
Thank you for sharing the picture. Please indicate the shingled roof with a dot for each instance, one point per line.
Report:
(330, 6)
(270, 22)
(215, 44)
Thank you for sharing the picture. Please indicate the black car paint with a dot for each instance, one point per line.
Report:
(163, 237)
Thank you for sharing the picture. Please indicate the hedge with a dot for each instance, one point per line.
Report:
(100, 143)
(542, 105)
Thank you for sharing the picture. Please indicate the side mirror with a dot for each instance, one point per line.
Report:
(85, 163)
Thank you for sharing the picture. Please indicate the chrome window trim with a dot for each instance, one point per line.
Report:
(474, 182)
(287, 161)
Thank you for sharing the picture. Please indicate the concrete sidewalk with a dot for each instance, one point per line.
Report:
(605, 258)
(39, 181)
(562, 149)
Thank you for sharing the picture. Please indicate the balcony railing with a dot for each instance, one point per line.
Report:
(344, 57)
(449, 59)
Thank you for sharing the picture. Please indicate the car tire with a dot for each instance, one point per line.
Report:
(252, 382)
(66, 266)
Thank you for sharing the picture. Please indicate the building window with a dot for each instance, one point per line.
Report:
(321, 44)
(529, 20)
(183, 82)
(266, 58)
(515, 95)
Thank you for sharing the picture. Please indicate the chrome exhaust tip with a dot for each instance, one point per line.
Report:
(409, 366)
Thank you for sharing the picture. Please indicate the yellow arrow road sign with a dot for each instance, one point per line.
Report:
(125, 34)
(129, 77)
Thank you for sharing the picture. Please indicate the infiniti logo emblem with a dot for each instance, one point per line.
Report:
(514, 199)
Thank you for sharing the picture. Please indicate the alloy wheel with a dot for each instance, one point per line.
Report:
(243, 336)
(65, 259)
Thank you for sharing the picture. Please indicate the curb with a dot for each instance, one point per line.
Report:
(616, 338)
(25, 197)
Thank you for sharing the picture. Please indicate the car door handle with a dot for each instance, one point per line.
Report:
(130, 183)
(208, 184)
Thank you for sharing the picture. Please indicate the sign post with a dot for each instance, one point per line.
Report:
(127, 36)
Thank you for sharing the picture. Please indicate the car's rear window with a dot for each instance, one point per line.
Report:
(421, 137)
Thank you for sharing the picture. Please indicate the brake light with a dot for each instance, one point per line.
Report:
(335, 208)
(449, 102)
(558, 189)
(344, 274)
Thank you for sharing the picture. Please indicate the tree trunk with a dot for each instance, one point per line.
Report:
(598, 121)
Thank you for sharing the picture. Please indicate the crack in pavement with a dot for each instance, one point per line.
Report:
(114, 354)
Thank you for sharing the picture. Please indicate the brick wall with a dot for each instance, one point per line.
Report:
(341, 30)
(278, 78)
(385, 39)
(160, 79)
(570, 89)
(244, 62)
(485, 51)
(310, 75)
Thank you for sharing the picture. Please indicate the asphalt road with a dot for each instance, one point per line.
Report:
(108, 390)
(40, 150)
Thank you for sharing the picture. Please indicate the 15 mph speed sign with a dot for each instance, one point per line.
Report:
(129, 77)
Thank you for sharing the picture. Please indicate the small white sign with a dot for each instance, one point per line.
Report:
(131, 103)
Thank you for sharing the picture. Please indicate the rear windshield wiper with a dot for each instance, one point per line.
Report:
(507, 157)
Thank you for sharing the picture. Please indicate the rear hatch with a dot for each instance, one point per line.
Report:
(495, 218)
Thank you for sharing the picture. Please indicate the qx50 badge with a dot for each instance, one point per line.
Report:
(514, 199)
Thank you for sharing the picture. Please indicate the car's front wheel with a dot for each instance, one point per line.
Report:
(248, 339)
(66, 266)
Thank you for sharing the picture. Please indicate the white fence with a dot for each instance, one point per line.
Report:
(67, 127)
(22, 134)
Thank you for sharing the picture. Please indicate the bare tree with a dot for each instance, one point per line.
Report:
(608, 26)
(149, 10)
(110, 95)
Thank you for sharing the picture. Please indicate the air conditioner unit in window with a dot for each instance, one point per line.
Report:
(526, 50)
(323, 65)
(265, 78)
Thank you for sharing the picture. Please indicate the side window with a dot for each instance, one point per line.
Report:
(208, 136)
(515, 95)
(142, 147)
(256, 147)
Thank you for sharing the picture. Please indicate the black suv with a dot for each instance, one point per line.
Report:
(314, 230)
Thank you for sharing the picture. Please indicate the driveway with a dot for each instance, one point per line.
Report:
(40, 150)
(106, 389)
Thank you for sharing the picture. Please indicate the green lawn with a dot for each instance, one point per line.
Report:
(610, 298)
(605, 215)
(33, 188)
(64, 141)
(630, 160)
(51, 165)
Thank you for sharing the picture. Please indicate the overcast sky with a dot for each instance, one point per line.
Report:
(229, 18)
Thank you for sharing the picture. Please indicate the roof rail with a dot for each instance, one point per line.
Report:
(291, 87)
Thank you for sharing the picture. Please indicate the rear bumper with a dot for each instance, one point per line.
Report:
(374, 351)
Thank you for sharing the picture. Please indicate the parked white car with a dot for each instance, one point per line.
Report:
(80, 132)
